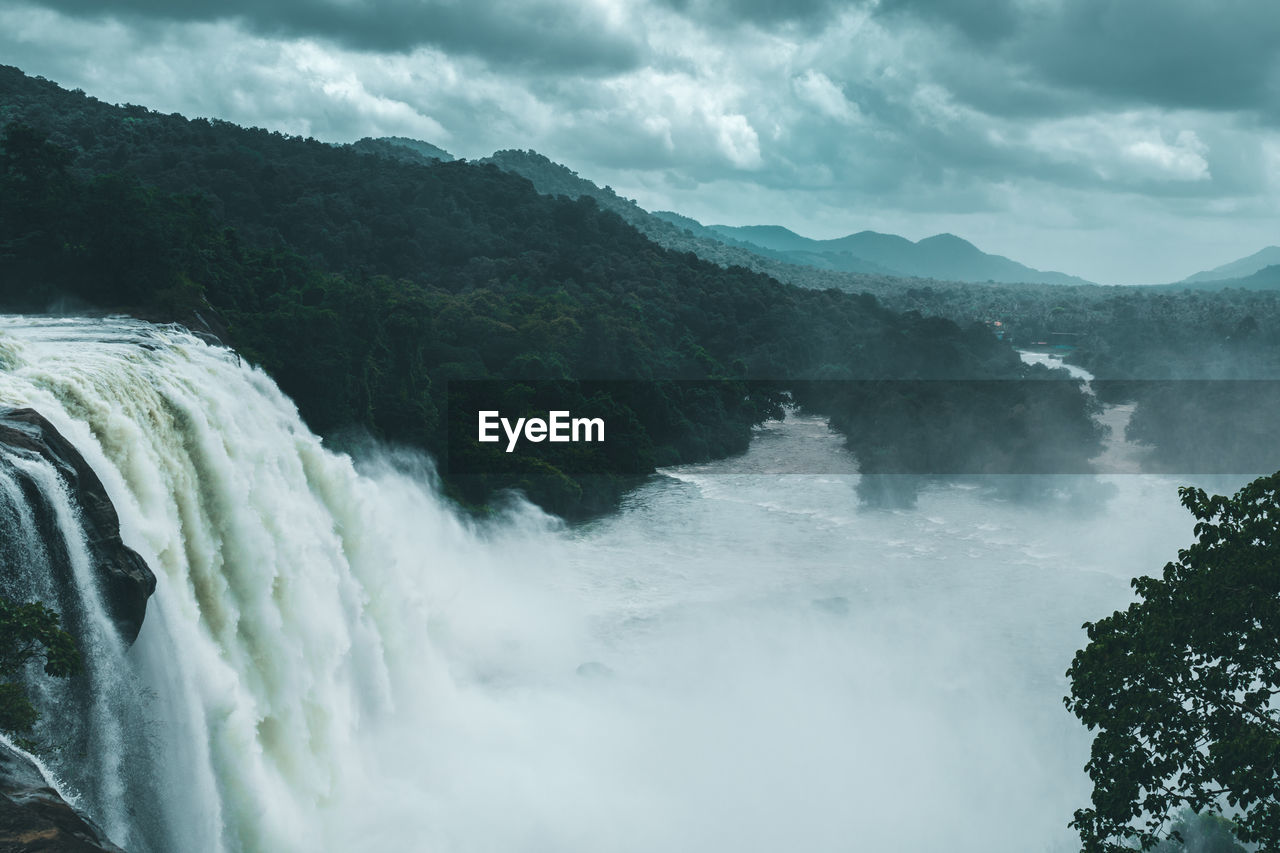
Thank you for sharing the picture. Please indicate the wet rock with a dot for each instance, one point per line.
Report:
(35, 819)
(126, 580)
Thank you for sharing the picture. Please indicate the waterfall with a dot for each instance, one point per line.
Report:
(334, 660)
(293, 595)
(41, 533)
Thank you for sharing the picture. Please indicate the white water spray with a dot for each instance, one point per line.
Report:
(292, 588)
(333, 661)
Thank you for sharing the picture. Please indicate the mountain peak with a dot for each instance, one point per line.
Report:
(520, 155)
(403, 148)
(942, 256)
(946, 239)
(1270, 256)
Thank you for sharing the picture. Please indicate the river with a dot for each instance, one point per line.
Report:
(743, 658)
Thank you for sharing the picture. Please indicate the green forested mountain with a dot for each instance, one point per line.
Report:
(403, 148)
(367, 284)
(942, 256)
(1242, 268)
(1265, 278)
(1206, 332)
(553, 179)
(782, 253)
(1119, 332)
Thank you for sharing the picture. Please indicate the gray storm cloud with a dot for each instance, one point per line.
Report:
(1122, 141)
(539, 34)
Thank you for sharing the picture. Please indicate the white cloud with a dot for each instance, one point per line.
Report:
(817, 90)
(692, 121)
(1180, 160)
(874, 121)
(660, 126)
(1125, 148)
(343, 89)
(738, 140)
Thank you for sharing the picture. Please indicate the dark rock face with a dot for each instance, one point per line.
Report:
(126, 580)
(34, 819)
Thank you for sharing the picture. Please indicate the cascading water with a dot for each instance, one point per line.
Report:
(291, 588)
(738, 660)
(43, 540)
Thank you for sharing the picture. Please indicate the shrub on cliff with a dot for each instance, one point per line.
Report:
(28, 632)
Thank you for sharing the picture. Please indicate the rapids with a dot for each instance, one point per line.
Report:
(741, 659)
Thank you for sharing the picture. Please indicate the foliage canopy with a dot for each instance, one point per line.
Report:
(331, 264)
(1182, 686)
(27, 632)
(368, 286)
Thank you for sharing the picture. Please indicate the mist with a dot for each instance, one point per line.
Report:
(739, 659)
(758, 661)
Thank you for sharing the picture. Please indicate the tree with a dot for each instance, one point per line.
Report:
(29, 161)
(28, 631)
(1182, 687)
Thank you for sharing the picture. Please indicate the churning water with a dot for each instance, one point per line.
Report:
(738, 660)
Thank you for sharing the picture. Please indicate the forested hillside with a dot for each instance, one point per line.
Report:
(1157, 332)
(1239, 268)
(366, 284)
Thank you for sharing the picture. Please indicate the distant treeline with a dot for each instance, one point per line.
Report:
(1222, 329)
(1203, 367)
(364, 285)
(1202, 330)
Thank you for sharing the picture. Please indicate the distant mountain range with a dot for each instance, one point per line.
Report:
(943, 256)
(1259, 271)
(1267, 278)
(858, 261)
(1240, 269)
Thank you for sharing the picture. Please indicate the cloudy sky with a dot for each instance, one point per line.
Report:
(1122, 140)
